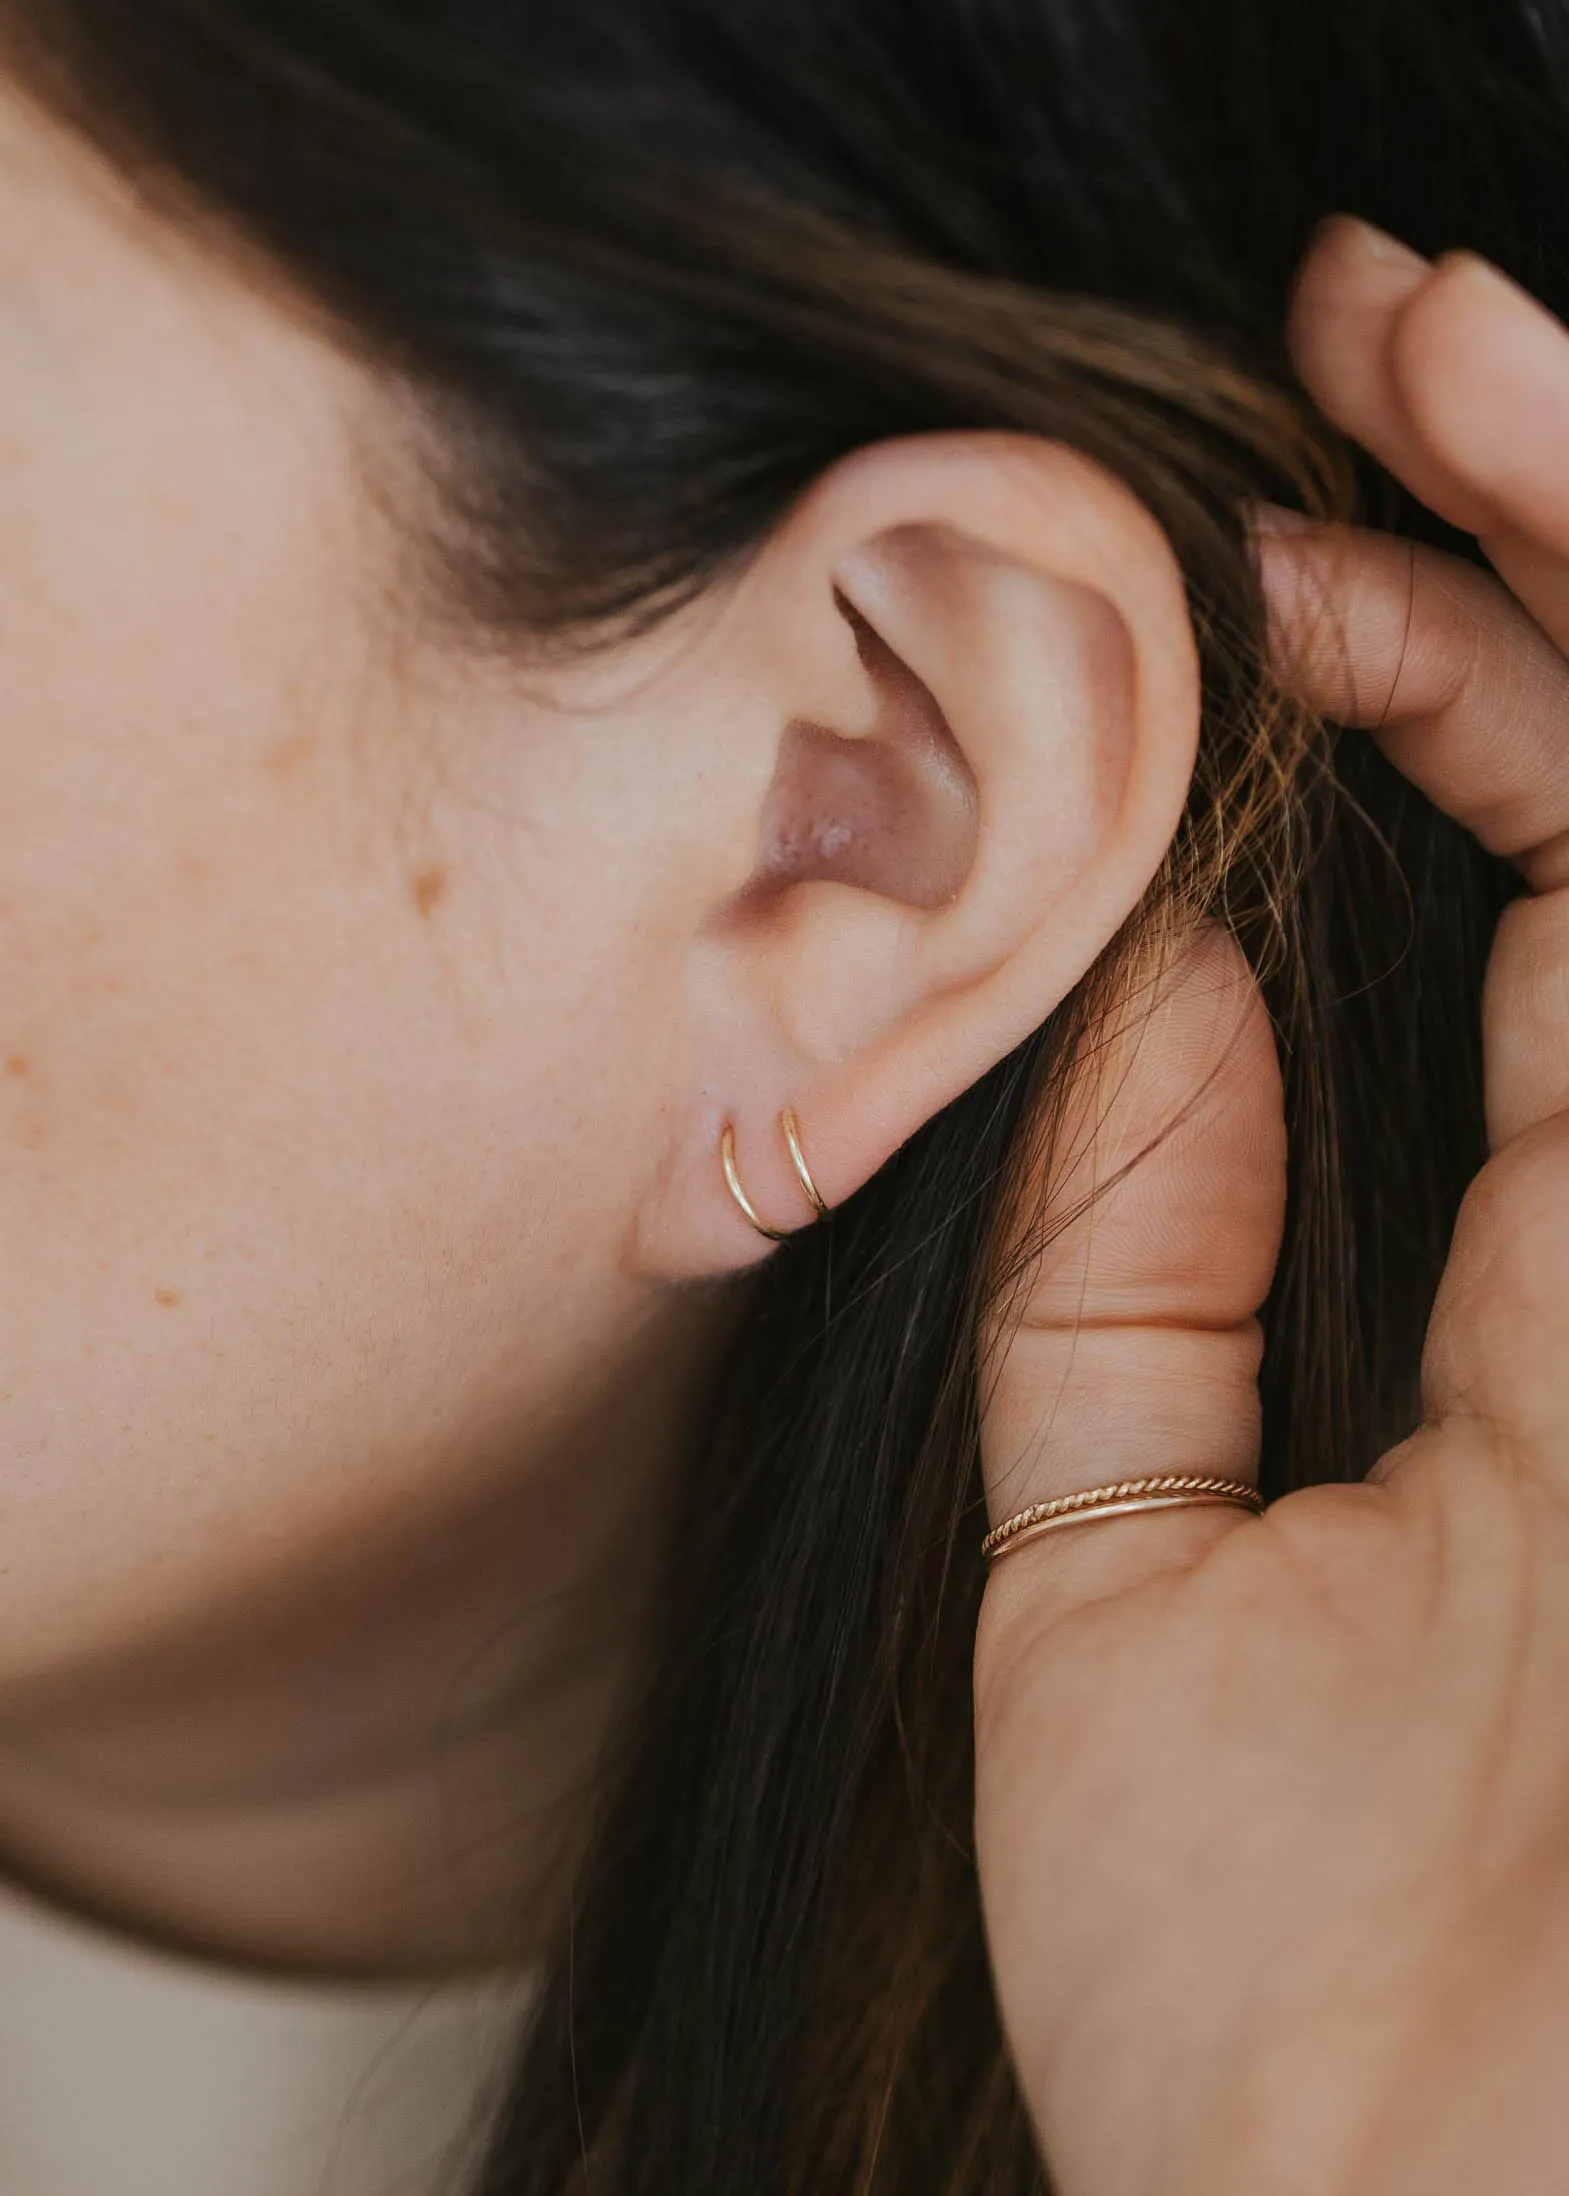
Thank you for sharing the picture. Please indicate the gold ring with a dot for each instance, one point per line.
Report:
(1169, 1492)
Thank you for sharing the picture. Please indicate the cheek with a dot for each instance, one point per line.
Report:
(321, 1108)
(326, 1078)
(256, 936)
(324, 1085)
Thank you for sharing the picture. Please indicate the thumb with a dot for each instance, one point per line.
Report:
(1129, 1346)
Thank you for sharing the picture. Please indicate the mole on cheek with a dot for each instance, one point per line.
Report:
(168, 1298)
(427, 889)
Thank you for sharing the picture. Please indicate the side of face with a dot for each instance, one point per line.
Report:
(332, 980)
(370, 1011)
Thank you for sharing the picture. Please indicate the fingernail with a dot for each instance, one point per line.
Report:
(1497, 397)
(1275, 518)
(1372, 243)
(1485, 276)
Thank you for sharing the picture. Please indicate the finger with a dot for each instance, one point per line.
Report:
(1133, 1350)
(1495, 1343)
(1457, 381)
(1468, 696)
(1471, 699)
(1525, 1018)
(1347, 300)
(1463, 690)
(1484, 370)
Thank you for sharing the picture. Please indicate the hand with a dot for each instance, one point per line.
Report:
(1273, 1814)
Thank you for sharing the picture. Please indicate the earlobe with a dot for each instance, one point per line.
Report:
(967, 802)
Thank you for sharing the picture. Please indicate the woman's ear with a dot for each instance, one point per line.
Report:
(977, 663)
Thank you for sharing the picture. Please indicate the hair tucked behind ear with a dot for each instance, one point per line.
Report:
(646, 268)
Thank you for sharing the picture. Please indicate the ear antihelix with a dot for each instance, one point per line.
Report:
(790, 1129)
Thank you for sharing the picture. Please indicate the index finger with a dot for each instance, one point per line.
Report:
(1457, 381)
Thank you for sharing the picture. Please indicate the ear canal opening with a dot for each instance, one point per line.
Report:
(893, 812)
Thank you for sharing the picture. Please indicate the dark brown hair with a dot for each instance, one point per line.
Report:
(645, 269)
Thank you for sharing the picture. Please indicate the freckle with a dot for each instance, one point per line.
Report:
(169, 1298)
(284, 759)
(428, 889)
(16, 1065)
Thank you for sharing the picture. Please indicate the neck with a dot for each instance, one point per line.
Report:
(382, 1762)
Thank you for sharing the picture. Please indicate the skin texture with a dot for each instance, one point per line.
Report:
(1271, 1810)
(370, 1008)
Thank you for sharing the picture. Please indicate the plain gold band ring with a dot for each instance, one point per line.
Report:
(1171, 1491)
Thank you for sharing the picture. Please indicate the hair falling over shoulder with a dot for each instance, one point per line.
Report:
(649, 267)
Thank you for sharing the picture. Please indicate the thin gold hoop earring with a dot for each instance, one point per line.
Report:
(803, 1172)
(733, 1180)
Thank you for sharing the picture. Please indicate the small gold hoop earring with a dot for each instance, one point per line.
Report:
(792, 1136)
(727, 1161)
(803, 1173)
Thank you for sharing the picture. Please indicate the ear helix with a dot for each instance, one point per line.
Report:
(792, 1137)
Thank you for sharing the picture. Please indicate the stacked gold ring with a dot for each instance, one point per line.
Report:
(1170, 1491)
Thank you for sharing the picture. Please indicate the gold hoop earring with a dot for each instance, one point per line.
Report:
(803, 1172)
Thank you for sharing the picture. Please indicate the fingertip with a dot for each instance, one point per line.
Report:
(1353, 239)
(1296, 586)
(1352, 278)
(1339, 603)
(1276, 518)
(1483, 369)
(1356, 290)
